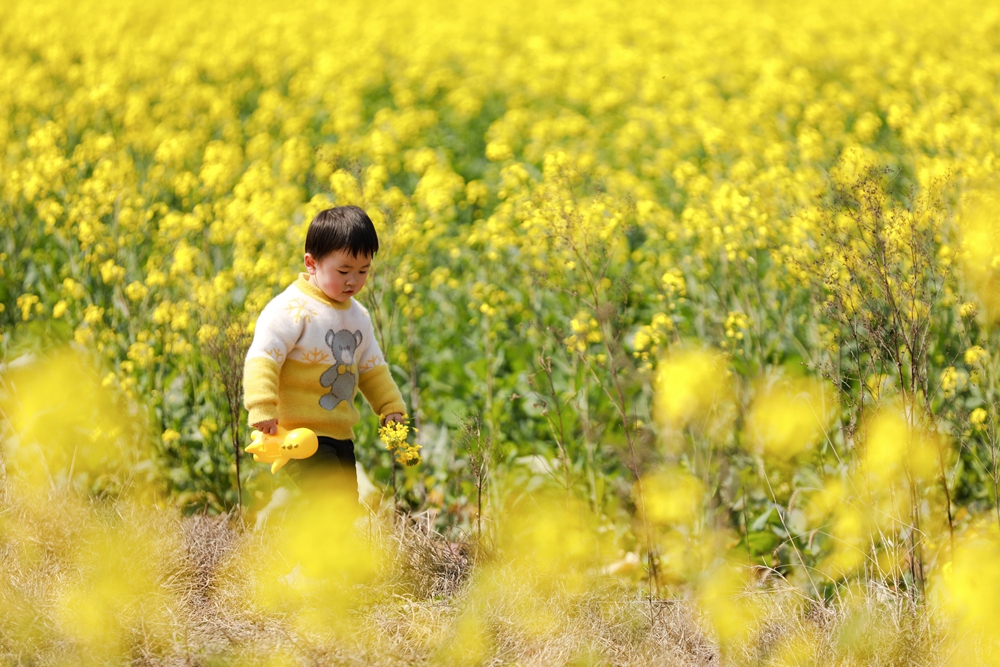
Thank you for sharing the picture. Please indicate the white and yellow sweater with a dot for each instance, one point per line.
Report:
(309, 356)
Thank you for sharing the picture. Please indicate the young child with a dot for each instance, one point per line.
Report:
(314, 347)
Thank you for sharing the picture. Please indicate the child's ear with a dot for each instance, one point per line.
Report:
(309, 262)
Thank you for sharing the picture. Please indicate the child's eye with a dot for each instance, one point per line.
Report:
(343, 273)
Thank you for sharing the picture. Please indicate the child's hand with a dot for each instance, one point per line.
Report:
(269, 427)
(392, 417)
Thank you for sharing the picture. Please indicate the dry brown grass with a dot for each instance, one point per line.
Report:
(410, 612)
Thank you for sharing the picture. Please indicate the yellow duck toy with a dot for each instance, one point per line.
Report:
(300, 443)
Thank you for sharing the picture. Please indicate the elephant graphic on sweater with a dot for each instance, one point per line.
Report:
(342, 376)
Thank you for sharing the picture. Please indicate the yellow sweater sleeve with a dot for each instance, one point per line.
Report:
(381, 392)
(260, 388)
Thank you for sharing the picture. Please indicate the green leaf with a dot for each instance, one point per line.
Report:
(762, 541)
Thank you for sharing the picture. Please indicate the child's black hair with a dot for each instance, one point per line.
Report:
(341, 228)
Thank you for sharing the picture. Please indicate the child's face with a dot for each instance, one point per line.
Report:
(340, 274)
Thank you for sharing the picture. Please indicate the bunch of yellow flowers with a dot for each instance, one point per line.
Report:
(394, 436)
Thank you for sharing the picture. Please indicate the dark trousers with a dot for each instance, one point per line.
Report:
(330, 469)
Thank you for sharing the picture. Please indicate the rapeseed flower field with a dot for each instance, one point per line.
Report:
(694, 308)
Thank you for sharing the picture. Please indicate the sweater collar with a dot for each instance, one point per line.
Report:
(308, 288)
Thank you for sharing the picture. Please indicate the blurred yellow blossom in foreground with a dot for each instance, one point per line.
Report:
(689, 385)
(790, 416)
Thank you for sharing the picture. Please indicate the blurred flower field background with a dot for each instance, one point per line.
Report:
(694, 306)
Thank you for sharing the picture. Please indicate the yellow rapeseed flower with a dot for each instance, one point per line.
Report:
(394, 436)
